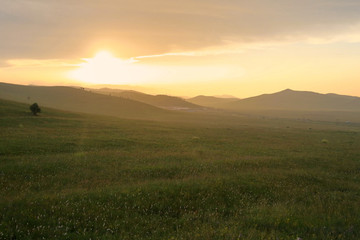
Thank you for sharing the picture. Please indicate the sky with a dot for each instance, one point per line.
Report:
(184, 48)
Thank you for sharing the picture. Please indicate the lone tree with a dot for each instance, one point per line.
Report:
(35, 109)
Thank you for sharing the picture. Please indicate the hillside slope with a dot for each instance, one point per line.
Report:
(79, 100)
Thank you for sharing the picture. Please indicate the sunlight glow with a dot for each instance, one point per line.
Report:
(104, 68)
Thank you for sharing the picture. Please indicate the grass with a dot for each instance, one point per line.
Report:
(71, 176)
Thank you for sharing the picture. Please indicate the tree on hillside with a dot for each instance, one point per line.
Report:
(35, 109)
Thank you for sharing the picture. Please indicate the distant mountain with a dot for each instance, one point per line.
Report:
(80, 100)
(162, 101)
(225, 96)
(211, 101)
(295, 101)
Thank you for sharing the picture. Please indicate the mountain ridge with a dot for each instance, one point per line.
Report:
(82, 100)
(289, 99)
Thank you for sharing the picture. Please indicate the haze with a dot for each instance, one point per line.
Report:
(186, 48)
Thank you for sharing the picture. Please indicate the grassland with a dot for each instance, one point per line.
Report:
(72, 176)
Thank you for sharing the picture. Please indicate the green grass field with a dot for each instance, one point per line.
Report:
(72, 176)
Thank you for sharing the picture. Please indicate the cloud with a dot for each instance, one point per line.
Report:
(65, 29)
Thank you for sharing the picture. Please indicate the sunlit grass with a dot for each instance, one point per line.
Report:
(66, 176)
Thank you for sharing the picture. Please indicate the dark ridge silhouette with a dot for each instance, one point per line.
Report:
(162, 101)
(296, 101)
(79, 100)
(211, 101)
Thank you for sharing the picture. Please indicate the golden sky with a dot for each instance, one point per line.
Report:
(185, 48)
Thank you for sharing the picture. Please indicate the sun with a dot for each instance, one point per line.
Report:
(103, 68)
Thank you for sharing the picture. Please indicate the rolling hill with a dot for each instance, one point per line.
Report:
(210, 101)
(161, 101)
(291, 100)
(79, 100)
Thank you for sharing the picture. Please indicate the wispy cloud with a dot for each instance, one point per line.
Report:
(213, 51)
(39, 63)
